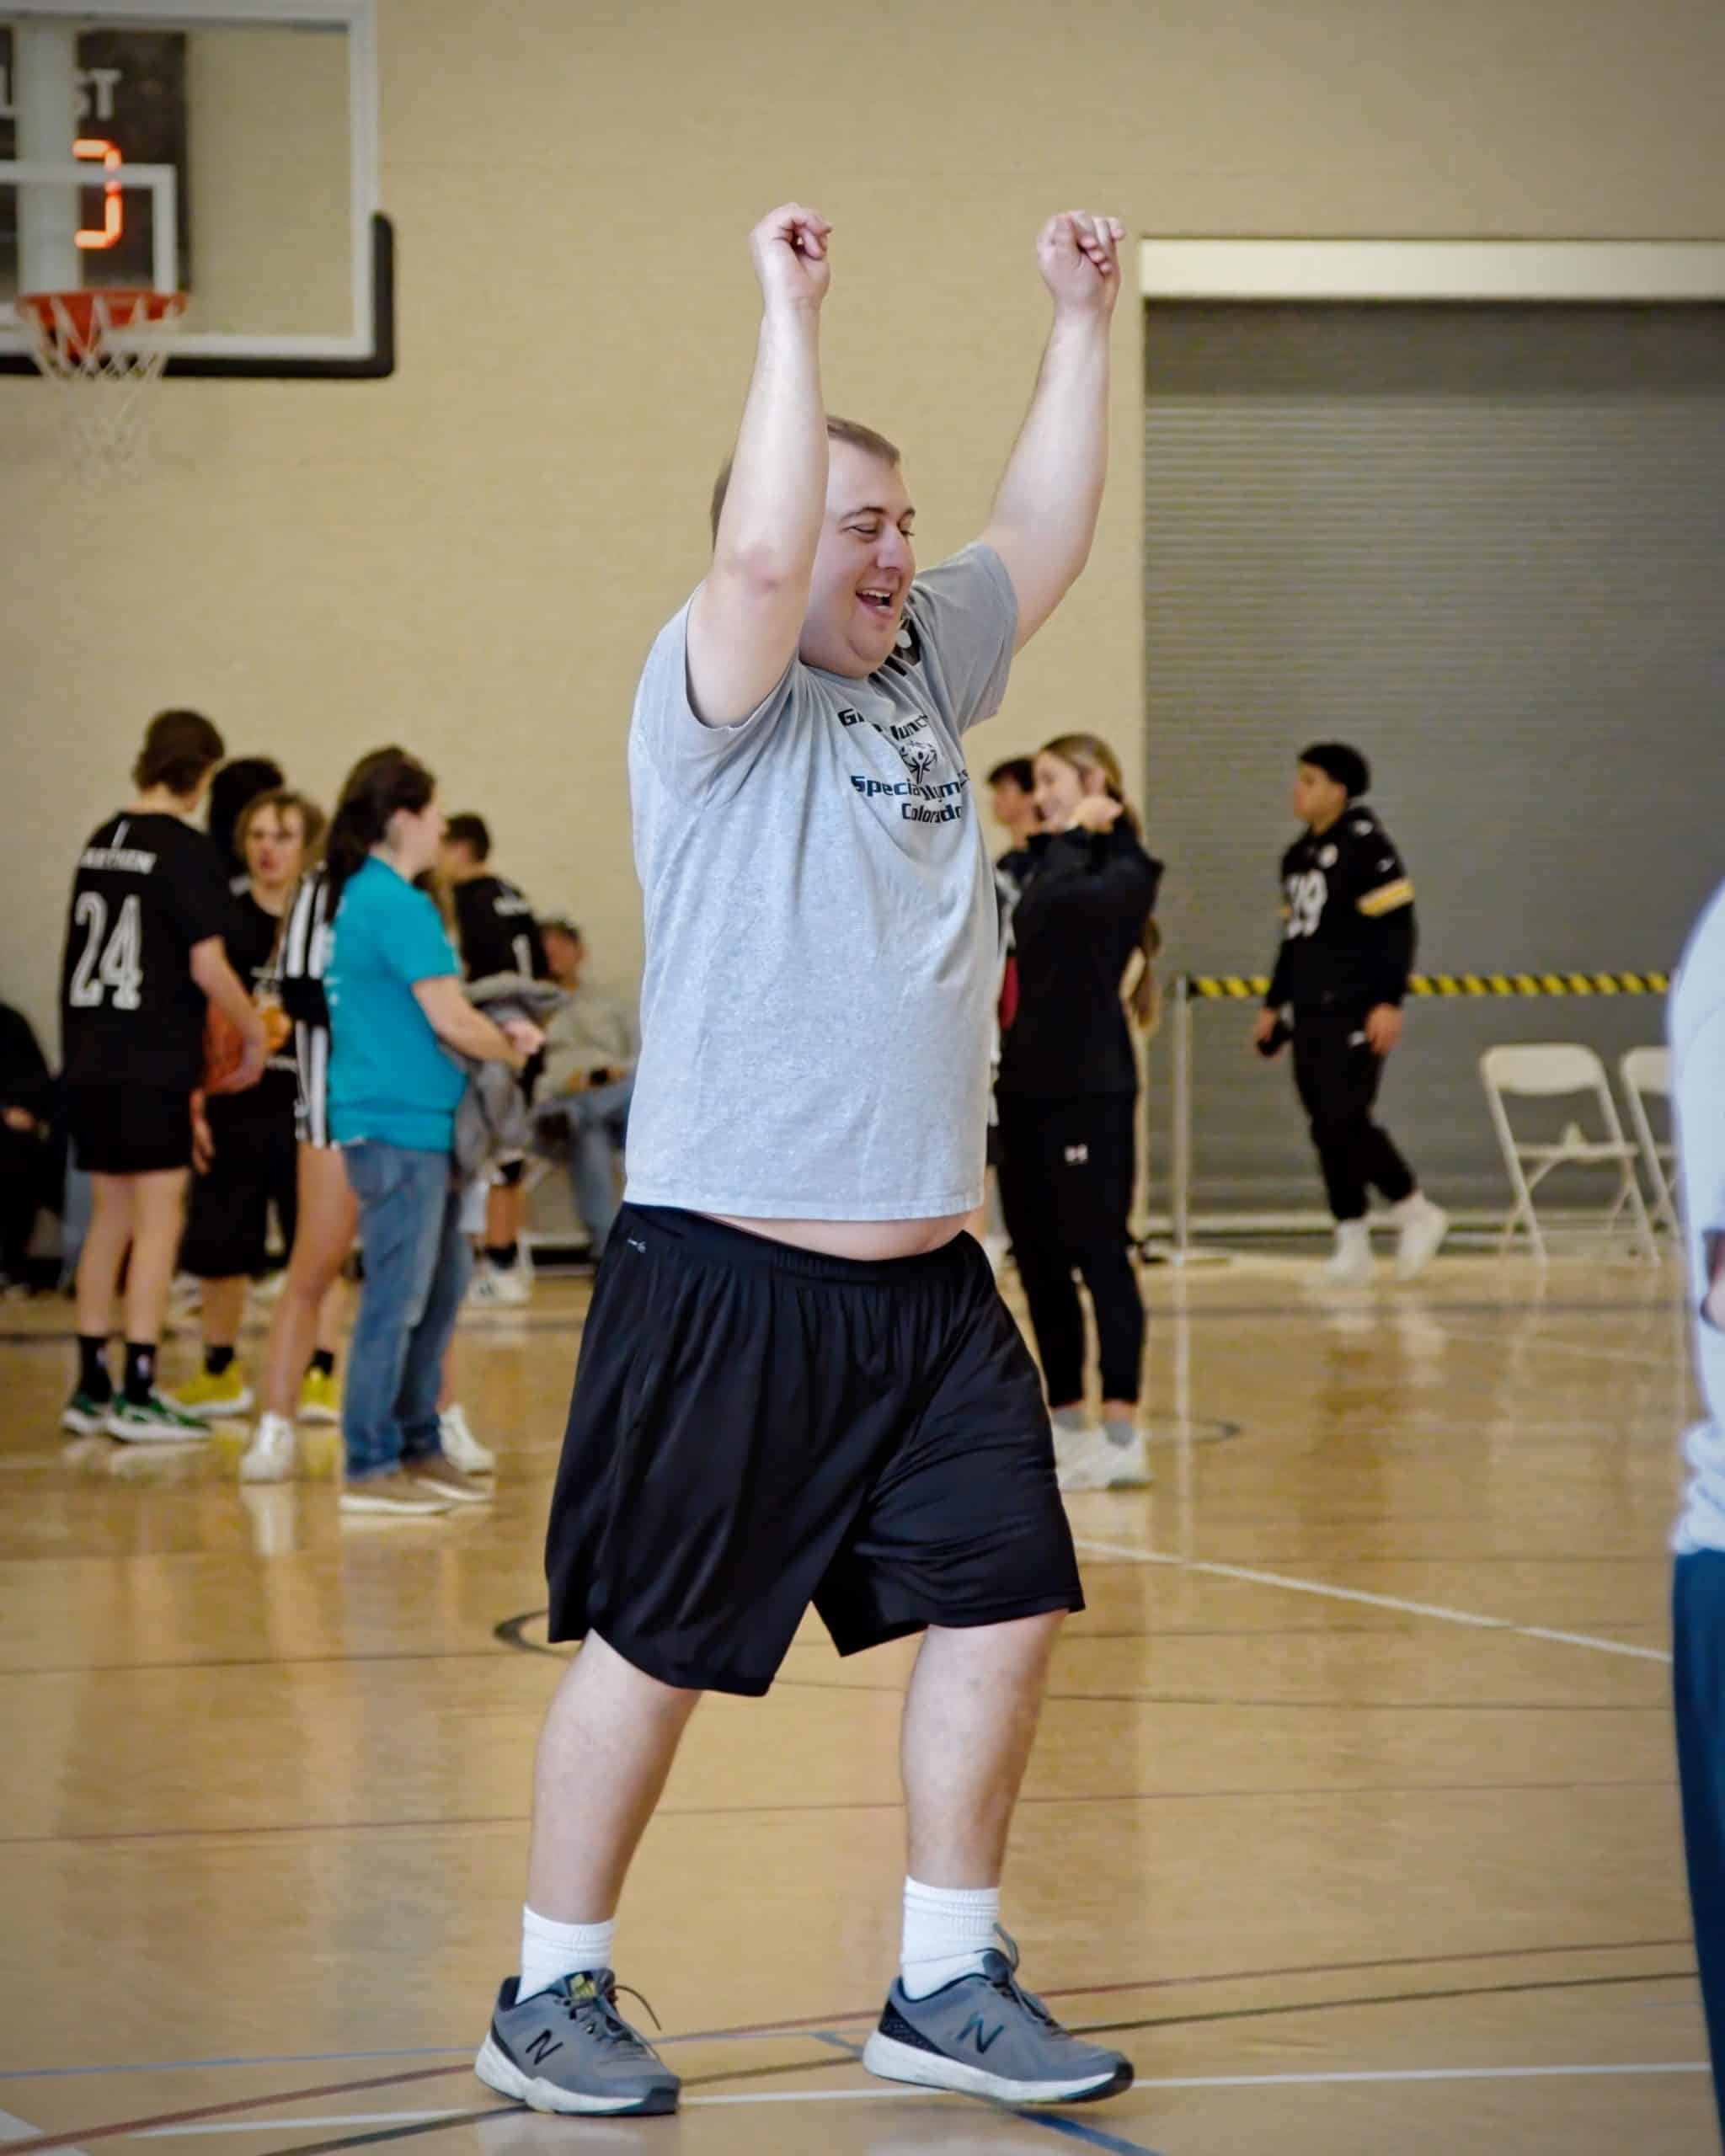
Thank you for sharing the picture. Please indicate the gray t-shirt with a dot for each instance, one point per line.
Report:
(821, 931)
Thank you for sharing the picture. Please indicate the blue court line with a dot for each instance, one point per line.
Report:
(1076, 2130)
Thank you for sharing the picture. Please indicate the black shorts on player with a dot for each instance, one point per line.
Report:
(228, 1225)
(756, 1427)
(129, 1131)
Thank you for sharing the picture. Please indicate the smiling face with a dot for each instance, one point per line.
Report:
(863, 565)
(1059, 787)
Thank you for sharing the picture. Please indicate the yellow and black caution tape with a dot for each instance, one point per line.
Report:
(1241, 987)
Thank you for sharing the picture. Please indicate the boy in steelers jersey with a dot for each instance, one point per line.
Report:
(1340, 978)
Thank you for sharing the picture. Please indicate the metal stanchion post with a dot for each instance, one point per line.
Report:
(1180, 1165)
(1180, 1157)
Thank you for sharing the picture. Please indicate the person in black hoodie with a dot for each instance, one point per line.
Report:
(1068, 1093)
(26, 1106)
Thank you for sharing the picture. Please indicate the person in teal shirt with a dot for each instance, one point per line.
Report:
(396, 1013)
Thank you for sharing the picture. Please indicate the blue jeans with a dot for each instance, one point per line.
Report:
(1698, 1674)
(598, 1127)
(417, 1262)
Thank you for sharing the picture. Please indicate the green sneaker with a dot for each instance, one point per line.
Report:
(85, 1416)
(154, 1421)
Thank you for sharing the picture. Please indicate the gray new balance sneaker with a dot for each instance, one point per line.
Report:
(568, 2049)
(986, 2035)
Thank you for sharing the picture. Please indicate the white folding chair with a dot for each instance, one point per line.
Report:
(1645, 1071)
(1548, 1069)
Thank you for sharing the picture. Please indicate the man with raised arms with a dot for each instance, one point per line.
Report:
(797, 1383)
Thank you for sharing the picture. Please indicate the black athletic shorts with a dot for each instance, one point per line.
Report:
(227, 1223)
(129, 1131)
(756, 1427)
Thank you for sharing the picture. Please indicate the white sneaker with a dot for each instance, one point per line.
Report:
(1424, 1228)
(460, 1445)
(1089, 1459)
(502, 1290)
(1351, 1265)
(272, 1455)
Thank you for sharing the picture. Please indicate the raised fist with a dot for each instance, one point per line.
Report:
(789, 248)
(1079, 256)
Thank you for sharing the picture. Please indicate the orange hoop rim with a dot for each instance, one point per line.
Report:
(81, 319)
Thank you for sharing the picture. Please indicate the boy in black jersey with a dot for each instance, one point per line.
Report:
(144, 950)
(499, 934)
(1347, 951)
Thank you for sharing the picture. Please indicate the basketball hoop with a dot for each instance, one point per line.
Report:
(104, 349)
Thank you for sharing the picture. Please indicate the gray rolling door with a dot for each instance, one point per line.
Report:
(1487, 546)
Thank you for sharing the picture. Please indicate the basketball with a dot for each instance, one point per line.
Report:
(224, 1050)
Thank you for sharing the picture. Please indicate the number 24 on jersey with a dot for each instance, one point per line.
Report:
(110, 962)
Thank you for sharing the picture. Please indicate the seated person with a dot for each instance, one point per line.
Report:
(26, 1101)
(591, 1042)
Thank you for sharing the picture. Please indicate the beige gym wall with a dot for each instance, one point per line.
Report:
(472, 555)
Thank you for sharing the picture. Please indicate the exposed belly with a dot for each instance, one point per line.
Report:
(866, 1240)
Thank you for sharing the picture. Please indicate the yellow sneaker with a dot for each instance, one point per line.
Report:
(212, 1398)
(320, 1398)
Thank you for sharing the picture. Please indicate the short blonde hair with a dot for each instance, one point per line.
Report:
(312, 819)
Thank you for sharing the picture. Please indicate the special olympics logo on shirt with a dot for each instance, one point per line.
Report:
(921, 756)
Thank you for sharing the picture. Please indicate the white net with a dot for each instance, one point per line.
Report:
(102, 351)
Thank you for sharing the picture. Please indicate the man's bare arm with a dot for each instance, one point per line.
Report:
(747, 617)
(1044, 514)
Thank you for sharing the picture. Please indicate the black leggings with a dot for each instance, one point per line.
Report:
(1066, 1173)
(1337, 1076)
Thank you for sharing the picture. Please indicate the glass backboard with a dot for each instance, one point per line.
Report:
(264, 112)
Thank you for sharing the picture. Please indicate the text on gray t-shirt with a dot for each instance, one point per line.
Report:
(822, 929)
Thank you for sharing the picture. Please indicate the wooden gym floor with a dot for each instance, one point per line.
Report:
(1352, 1817)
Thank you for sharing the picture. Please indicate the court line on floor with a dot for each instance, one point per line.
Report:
(1133, 1554)
(1576, 1350)
(134, 2127)
(138, 2127)
(812, 2025)
(1628, 2070)
(1275, 1794)
(13, 2128)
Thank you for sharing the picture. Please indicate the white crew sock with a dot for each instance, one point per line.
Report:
(947, 1930)
(550, 1951)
